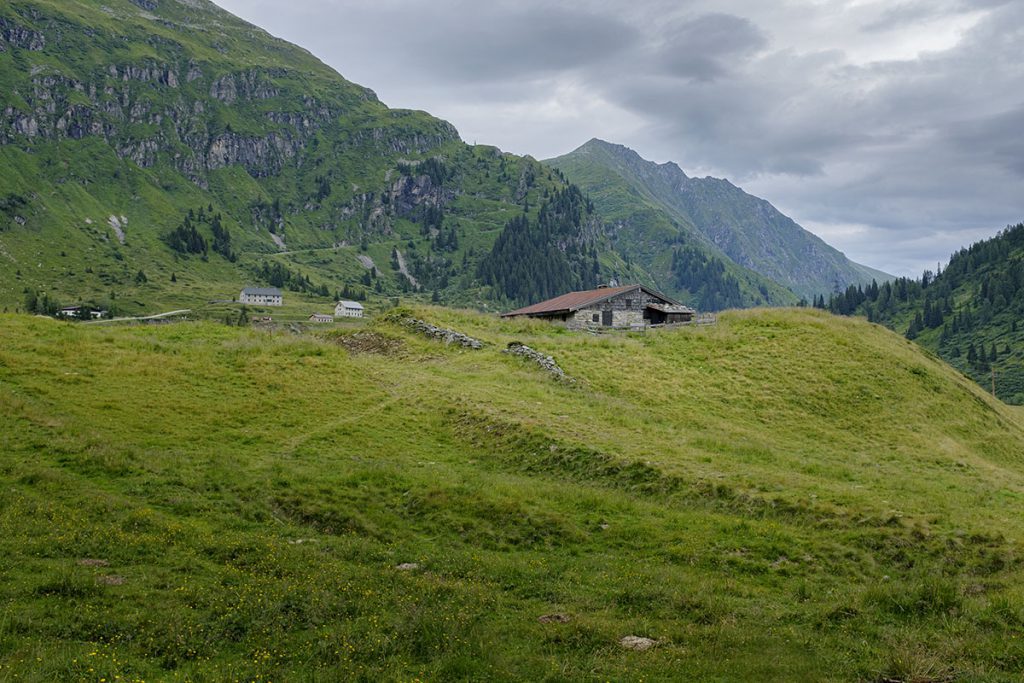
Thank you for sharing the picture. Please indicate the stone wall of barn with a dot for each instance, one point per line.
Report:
(583, 319)
(627, 310)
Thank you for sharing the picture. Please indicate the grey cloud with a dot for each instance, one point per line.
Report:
(770, 121)
(996, 140)
(455, 42)
(707, 47)
(505, 41)
(920, 10)
(908, 12)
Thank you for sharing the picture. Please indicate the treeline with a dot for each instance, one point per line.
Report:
(533, 260)
(187, 239)
(281, 276)
(430, 218)
(323, 188)
(350, 294)
(967, 313)
(40, 303)
(711, 288)
(979, 284)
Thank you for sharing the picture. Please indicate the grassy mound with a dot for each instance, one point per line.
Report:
(783, 496)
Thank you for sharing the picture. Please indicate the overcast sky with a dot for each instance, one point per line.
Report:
(892, 129)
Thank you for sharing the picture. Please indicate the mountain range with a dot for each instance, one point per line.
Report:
(653, 207)
(165, 153)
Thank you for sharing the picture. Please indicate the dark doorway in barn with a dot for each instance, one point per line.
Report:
(653, 316)
(606, 318)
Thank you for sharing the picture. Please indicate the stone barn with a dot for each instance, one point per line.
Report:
(628, 306)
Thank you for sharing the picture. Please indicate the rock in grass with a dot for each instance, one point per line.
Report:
(638, 643)
(112, 580)
(92, 562)
(407, 566)
(556, 618)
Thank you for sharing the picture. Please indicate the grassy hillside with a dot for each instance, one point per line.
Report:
(658, 209)
(969, 313)
(787, 495)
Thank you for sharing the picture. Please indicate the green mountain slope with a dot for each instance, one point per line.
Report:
(680, 261)
(785, 496)
(657, 205)
(969, 313)
(121, 120)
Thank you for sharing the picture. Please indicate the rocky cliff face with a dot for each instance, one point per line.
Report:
(143, 111)
(181, 108)
(248, 86)
(16, 35)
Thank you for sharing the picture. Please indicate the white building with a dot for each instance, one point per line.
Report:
(321, 318)
(76, 312)
(348, 309)
(261, 296)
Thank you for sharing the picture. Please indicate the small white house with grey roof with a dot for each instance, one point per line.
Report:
(261, 296)
(348, 309)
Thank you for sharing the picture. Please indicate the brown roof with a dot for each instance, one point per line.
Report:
(574, 301)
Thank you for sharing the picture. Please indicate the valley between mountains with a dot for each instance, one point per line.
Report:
(814, 483)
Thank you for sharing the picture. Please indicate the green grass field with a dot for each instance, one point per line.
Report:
(784, 496)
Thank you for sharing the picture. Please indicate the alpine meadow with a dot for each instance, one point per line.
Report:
(297, 386)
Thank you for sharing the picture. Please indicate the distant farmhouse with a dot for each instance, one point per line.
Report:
(348, 309)
(76, 312)
(629, 306)
(321, 318)
(261, 296)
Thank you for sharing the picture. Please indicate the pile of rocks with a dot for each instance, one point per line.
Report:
(442, 333)
(546, 362)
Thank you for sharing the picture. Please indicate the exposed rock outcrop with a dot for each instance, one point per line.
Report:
(145, 73)
(408, 192)
(184, 120)
(165, 107)
(246, 86)
(260, 156)
(21, 37)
